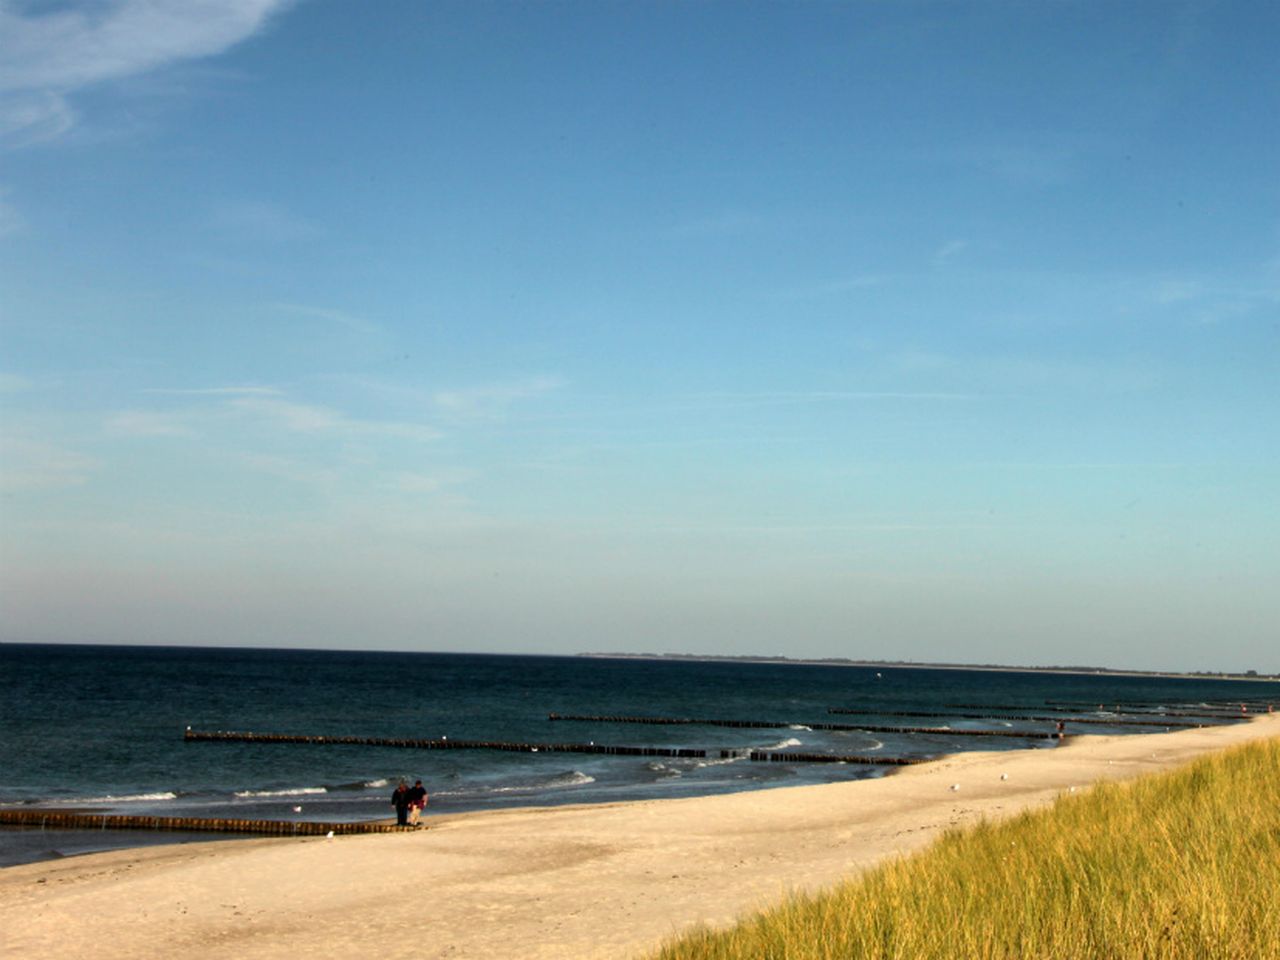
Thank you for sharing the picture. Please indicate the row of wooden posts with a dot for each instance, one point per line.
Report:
(839, 727)
(444, 743)
(1257, 705)
(1139, 711)
(65, 820)
(1031, 718)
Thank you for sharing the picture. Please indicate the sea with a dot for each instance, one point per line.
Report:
(101, 728)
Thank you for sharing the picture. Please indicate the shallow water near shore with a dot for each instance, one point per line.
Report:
(101, 728)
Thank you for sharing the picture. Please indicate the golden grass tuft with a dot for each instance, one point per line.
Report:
(1181, 865)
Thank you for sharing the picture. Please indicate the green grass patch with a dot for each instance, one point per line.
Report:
(1182, 865)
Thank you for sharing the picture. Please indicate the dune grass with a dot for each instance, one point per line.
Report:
(1182, 865)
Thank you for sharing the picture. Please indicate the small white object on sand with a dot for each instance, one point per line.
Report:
(955, 786)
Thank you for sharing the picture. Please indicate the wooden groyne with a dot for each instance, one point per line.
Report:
(1094, 706)
(1030, 718)
(608, 749)
(1228, 706)
(66, 820)
(444, 743)
(838, 727)
(676, 721)
(788, 756)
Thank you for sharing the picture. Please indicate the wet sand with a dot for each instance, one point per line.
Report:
(566, 882)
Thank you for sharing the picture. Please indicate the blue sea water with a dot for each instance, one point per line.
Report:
(101, 728)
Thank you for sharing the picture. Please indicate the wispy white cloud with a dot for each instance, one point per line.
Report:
(148, 423)
(264, 406)
(11, 221)
(309, 418)
(51, 54)
(796, 397)
(263, 220)
(32, 464)
(1202, 301)
(1033, 160)
(339, 317)
(949, 251)
(1176, 291)
(428, 483)
(726, 224)
(492, 399)
(231, 391)
(835, 287)
(1012, 374)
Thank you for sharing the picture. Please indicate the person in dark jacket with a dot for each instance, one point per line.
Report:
(400, 800)
(417, 801)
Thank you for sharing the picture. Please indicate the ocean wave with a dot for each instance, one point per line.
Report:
(293, 792)
(722, 761)
(799, 726)
(126, 798)
(783, 744)
(357, 785)
(879, 744)
(662, 769)
(573, 778)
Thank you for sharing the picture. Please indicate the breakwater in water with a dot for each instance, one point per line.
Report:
(1030, 718)
(444, 743)
(615, 750)
(837, 727)
(66, 820)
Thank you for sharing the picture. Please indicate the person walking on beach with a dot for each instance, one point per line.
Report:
(400, 800)
(417, 801)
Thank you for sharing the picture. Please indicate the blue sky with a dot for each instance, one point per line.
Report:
(934, 331)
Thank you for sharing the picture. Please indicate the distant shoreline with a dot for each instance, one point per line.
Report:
(916, 665)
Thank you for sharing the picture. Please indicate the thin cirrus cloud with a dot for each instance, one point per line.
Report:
(148, 423)
(491, 399)
(308, 418)
(261, 405)
(335, 317)
(263, 220)
(233, 391)
(33, 464)
(49, 56)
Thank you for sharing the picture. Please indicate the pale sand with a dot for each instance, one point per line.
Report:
(571, 882)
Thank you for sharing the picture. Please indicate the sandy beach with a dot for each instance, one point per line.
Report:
(564, 882)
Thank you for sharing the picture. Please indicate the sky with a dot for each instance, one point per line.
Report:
(907, 330)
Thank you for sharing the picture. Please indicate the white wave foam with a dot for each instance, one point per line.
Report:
(295, 792)
(878, 744)
(377, 784)
(799, 726)
(783, 744)
(127, 798)
(574, 778)
(722, 761)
